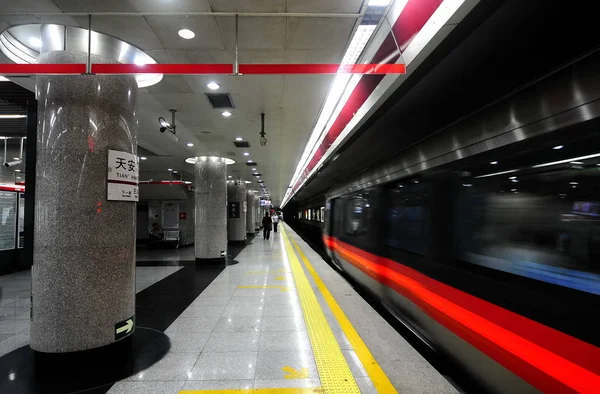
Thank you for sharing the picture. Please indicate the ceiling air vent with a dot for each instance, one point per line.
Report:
(220, 100)
(250, 163)
(242, 144)
(257, 175)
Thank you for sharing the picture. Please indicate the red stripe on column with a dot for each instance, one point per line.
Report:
(190, 69)
(27, 69)
(322, 68)
(546, 358)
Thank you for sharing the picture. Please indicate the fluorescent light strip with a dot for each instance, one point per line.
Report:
(567, 160)
(12, 116)
(496, 173)
(338, 87)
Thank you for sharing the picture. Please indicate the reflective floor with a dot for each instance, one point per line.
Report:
(259, 324)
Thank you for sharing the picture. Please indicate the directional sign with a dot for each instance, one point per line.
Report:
(233, 208)
(292, 373)
(123, 174)
(124, 328)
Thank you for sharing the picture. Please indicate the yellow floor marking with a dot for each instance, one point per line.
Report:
(280, 278)
(334, 372)
(378, 377)
(257, 391)
(293, 373)
(281, 288)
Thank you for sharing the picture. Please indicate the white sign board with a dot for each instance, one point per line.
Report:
(123, 174)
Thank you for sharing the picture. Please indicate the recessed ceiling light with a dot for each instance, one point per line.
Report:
(239, 139)
(17, 170)
(574, 183)
(16, 158)
(229, 176)
(190, 144)
(213, 85)
(35, 42)
(254, 169)
(246, 154)
(493, 162)
(169, 169)
(249, 161)
(558, 147)
(143, 158)
(226, 114)
(186, 34)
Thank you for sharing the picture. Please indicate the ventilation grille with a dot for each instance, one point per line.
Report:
(251, 164)
(220, 100)
(257, 175)
(242, 144)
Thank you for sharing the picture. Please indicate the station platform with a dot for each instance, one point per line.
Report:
(277, 319)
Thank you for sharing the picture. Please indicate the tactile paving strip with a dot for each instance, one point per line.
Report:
(334, 372)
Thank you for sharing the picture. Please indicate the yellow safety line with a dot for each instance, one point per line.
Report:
(378, 377)
(257, 391)
(334, 372)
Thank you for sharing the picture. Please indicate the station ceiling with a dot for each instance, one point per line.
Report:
(291, 103)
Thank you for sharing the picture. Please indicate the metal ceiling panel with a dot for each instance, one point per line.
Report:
(131, 29)
(317, 6)
(95, 6)
(29, 6)
(254, 32)
(171, 6)
(205, 27)
(318, 33)
(171, 84)
(248, 5)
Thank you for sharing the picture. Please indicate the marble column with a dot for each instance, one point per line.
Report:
(250, 212)
(236, 221)
(256, 208)
(83, 274)
(210, 182)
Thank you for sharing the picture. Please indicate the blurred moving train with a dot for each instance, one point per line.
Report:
(484, 238)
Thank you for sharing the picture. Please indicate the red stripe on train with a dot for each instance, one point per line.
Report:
(546, 358)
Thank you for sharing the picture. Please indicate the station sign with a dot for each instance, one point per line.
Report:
(123, 176)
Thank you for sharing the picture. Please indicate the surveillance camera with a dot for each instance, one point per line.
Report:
(12, 163)
(162, 129)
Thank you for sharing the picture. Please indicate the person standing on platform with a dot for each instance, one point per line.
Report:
(267, 224)
(275, 222)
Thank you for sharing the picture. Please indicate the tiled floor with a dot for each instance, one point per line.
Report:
(247, 329)
(14, 303)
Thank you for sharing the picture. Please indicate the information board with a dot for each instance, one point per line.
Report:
(8, 220)
(233, 210)
(123, 176)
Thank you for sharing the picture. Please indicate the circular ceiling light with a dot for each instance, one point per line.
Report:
(190, 144)
(186, 34)
(226, 114)
(194, 160)
(143, 158)
(239, 139)
(22, 45)
(246, 154)
(213, 85)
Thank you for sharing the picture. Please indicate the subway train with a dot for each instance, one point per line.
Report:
(484, 239)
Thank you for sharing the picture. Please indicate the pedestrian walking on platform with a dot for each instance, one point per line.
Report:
(267, 225)
(275, 222)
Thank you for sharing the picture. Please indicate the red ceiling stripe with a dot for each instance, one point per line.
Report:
(190, 69)
(410, 21)
(322, 68)
(546, 358)
(25, 69)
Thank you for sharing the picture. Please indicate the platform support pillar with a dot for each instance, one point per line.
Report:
(83, 274)
(236, 215)
(210, 194)
(250, 212)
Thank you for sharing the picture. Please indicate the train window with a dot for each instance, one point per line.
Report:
(336, 206)
(322, 214)
(408, 216)
(358, 214)
(538, 217)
